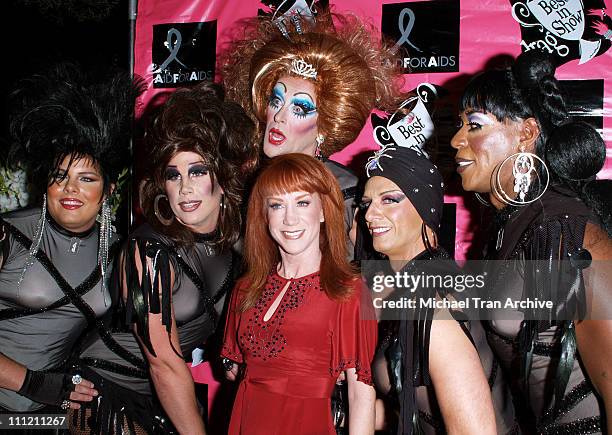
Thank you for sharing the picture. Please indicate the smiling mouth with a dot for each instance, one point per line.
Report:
(462, 164)
(292, 235)
(71, 203)
(189, 206)
(379, 231)
(276, 137)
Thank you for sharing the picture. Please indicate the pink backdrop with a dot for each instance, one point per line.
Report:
(487, 29)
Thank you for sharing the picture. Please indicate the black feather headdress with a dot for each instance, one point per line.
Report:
(65, 112)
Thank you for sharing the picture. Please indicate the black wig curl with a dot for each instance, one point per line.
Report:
(575, 153)
(526, 89)
(65, 112)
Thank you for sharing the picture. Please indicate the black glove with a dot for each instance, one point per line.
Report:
(46, 387)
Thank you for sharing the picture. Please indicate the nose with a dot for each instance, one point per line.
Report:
(459, 140)
(70, 186)
(186, 185)
(372, 213)
(281, 114)
(290, 218)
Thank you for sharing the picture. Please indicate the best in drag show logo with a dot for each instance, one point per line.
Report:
(569, 29)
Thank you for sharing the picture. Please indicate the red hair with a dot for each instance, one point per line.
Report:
(296, 173)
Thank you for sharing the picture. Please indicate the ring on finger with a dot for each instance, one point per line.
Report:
(77, 379)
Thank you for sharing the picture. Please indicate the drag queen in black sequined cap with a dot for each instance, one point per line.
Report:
(425, 358)
(310, 82)
(72, 133)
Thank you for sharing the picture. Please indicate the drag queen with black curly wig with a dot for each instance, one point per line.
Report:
(73, 134)
(517, 146)
(176, 269)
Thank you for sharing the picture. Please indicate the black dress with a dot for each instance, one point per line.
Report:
(540, 244)
(42, 319)
(401, 364)
(114, 360)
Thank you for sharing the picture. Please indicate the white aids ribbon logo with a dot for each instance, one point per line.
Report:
(405, 30)
(558, 21)
(173, 45)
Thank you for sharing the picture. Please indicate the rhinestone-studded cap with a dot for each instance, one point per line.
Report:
(418, 178)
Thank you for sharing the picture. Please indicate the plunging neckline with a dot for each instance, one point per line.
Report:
(286, 284)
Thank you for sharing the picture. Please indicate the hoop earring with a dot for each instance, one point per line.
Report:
(481, 200)
(319, 141)
(158, 215)
(222, 207)
(521, 170)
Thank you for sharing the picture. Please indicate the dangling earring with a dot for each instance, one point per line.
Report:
(319, 141)
(35, 246)
(158, 215)
(104, 243)
(522, 169)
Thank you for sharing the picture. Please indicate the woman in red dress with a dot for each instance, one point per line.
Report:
(300, 316)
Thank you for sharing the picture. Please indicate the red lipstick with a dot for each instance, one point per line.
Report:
(71, 203)
(276, 137)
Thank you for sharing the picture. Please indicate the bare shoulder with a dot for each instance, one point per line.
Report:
(597, 241)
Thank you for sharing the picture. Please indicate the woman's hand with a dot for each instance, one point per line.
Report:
(45, 387)
(232, 373)
(83, 392)
(55, 389)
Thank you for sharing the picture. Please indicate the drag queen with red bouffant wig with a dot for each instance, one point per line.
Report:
(309, 78)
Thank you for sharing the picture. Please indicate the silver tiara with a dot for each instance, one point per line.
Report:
(301, 68)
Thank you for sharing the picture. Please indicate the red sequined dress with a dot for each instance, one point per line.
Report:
(294, 358)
